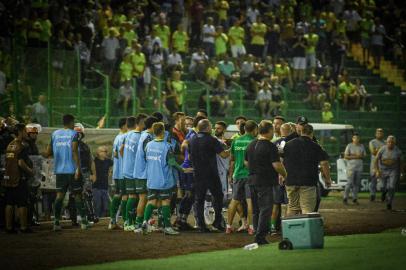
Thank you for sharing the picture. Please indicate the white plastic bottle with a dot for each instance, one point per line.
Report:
(251, 246)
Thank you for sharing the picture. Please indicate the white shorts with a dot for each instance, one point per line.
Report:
(299, 63)
(311, 60)
(238, 50)
(147, 75)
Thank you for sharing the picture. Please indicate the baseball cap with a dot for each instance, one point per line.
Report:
(302, 120)
(33, 128)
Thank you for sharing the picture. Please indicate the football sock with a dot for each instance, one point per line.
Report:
(148, 212)
(80, 208)
(58, 210)
(166, 213)
(114, 208)
(124, 210)
(130, 208)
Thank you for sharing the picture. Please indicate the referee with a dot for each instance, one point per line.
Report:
(264, 165)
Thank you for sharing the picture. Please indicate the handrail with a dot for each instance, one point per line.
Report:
(241, 96)
(207, 88)
(79, 78)
(107, 104)
(134, 97)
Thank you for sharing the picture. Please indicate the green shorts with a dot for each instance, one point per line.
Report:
(68, 181)
(163, 194)
(120, 187)
(130, 186)
(141, 186)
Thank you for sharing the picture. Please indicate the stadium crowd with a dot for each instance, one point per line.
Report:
(168, 168)
(258, 44)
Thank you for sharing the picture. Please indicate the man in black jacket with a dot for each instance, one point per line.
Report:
(263, 162)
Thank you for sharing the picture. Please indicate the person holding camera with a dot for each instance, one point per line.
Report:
(18, 168)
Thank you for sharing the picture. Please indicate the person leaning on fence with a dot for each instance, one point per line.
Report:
(302, 158)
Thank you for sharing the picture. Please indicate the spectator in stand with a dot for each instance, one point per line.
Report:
(196, 17)
(174, 62)
(222, 9)
(272, 38)
(321, 30)
(110, 47)
(212, 72)
(338, 50)
(180, 40)
(209, 34)
(264, 100)
(299, 58)
(139, 64)
(352, 18)
(365, 98)
(282, 70)
(164, 33)
(176, 92)
(84, 55)
(366, 24)
(377, 44)
(157, 60)
(246, 68)
(258, 31)
(101, 171)
(220, 100)
(221, 42)
(327, 117)
(348, 94)
(255, 80)
(126, 68)
(40, 111)
(236, 35)
(313, 89)
(312, 40)
(125, 95)
(198, 63)
(227, 68)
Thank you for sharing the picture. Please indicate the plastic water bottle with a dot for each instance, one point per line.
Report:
(403, 232)
(251, 246)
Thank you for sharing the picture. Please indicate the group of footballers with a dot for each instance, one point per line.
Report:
(153, 172)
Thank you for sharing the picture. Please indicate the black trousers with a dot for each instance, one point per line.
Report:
(262, 200)
(201, 187)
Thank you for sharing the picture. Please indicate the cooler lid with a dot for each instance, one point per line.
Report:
(308, 215)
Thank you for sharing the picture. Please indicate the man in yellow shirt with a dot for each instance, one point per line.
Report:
(164, 33)
(139, 63)
(258, 31)
(212, 72)
(348, 92)
(220, 42)
(126, 69)
(311, 43)
(223, 7)
(236, 35)
(180, 40)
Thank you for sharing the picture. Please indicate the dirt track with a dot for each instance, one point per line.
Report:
(46, 249)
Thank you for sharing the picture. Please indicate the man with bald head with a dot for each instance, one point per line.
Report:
(203, 150)
(387, 168)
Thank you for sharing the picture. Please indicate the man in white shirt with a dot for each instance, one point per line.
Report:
(110, 46)
(209, 33)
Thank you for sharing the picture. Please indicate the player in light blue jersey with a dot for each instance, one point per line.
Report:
(160, 180)
(129, 151)
(120, 191)
(64, 149)
(140, 173)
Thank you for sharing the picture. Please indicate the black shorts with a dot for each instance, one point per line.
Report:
(17, 195)
(241, 190)
(279, 195)
(186, 181)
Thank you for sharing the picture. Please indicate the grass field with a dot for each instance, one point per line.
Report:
(366, 251)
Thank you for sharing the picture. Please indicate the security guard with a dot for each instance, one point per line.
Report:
(17, 170)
